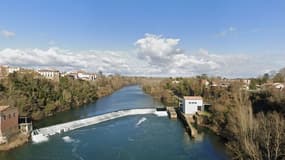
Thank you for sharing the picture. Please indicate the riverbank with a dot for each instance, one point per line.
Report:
(97, 90)
(14, 142)
(140, 136)
(39, 98)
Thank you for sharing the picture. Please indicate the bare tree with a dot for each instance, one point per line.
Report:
(244, 128)
(260, 137)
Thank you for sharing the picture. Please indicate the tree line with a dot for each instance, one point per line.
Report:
(38, 97)
(251, 123)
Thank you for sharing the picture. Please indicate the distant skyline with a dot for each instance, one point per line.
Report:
(149, 38)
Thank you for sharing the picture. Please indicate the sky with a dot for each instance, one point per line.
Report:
(229, 38)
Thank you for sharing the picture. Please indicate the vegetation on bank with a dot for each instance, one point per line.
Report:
(38, 97)
(252, 123)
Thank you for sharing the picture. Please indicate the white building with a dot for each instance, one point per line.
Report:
(192, 104)
(49, 74)
(13, 69)
(81, 75)
(86, 76)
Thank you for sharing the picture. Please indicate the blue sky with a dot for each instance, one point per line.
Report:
(222, 27)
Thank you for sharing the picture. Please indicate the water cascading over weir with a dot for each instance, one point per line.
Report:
(42, 134)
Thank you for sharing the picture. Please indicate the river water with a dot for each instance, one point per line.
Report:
(138, 137)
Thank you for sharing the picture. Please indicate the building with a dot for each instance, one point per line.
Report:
(71, 75)
(13, 69)
(50, 74)
(25, 125)
(192, 104)
(81, 75)
(8, 122)
(86, 76)
(3, 71)
(175, 82)
(246, 81)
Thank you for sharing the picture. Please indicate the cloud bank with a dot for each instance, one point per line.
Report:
(153, 55)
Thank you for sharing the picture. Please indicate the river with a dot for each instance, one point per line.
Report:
(138, 137)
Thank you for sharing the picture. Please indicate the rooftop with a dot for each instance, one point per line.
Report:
(193, 98)
(2, 108)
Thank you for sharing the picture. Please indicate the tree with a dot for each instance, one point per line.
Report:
(265, 78)
(260, 137)
(243, 128)
(100, 73)
(270, 136)
(282, 71)
(278, 78)
(252, 84)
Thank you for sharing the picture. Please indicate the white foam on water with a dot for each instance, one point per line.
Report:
(141, 121)
(68, 139)
(39, 138)
(161, 113)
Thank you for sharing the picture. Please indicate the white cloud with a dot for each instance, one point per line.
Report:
(227, 31)
(107, 61)
(157, 50)
(7, 34)
(165, 55)
(154, 55)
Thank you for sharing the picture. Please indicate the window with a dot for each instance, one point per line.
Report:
(9, 116)
(4, 117)
(14, 114)
(199, 108)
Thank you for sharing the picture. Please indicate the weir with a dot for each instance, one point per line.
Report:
(42, 133)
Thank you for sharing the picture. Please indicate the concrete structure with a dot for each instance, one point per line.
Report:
(187, 121)
(49, 74)
(8, 122)
(171, 112)
(42, 134)
(192, 104)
